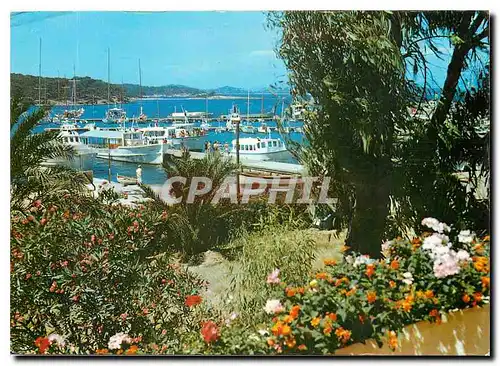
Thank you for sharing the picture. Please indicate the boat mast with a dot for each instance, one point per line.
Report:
(248, 106)
(40, 74)
(140, 83)
(108, 78)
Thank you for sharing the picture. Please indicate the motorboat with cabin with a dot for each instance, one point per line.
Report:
(261, 149)
(124, 145)
(84, 155)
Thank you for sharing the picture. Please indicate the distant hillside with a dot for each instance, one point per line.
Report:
(90, 90)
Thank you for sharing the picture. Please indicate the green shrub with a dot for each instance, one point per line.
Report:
(87, 271)
(261, 252)
(361, 298)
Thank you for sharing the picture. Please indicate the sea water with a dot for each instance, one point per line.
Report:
(154, 174)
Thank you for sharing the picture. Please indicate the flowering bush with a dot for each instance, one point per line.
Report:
(86, 276)
(361, 298)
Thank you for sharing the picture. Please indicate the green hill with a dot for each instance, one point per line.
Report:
(59, 90)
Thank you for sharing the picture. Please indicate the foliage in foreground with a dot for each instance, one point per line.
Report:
(29, 180)
(87, 271)
(362, 298)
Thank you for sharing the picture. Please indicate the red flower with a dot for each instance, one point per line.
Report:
(42, 343)
(209, 331)
(43, 221)
(192, 300)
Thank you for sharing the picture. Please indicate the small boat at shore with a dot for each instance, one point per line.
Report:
(126, 180)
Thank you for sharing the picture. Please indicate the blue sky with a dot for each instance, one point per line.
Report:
(199, 49)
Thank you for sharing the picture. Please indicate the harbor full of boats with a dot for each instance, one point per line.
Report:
(143, 143)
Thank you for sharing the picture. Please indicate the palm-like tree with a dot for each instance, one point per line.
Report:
(199, 226)
(29, 179)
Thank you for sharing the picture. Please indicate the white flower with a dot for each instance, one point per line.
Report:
(463, 256)
(362, 259)
(435, 225)
(116, 341)
(446, 265)
(408, 278)
(273, 307)
(466, 236)
(432, 241)
(387, 245)
(263, 332)
(349, 259)
(58, 339)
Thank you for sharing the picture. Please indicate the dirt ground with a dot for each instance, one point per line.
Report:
(217, 270)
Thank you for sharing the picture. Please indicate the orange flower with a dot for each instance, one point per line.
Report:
(332, 316)
(429, 294)
(343, 334)
(328, 330)
(302, 347)
(315, 321)
(286, 330)
(209, 331)
(294, 311)
(420, 294)
(103, 351)
(466, 298)
(416, 241)
(392, 284)
(290, 342)
(330, 262)
(288, 319)
(300, 290)
(395, 264)
(406, 306)
(119, 352)
(479, 248)
(370, 270)
(290, 292)
(344, 248)
(478, 296)
(393, 340)
(192, 300)
(351, 291)
(132, 350)
(434, 313)
(270, 342)
(322, 276)
(371, 296)
(486, 238)
(277, 327)
(485, 281)
(43, 344)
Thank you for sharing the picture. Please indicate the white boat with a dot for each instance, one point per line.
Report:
(263, 128)
(248, 128)
(115, 115)
(233, 118)
(84, 155)
(123, 145)
(252, 148)
(205, 125)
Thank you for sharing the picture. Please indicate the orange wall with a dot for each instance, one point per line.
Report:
(461, 333)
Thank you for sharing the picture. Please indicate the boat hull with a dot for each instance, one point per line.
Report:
(83, 160)
(144, 154)
(283, 155)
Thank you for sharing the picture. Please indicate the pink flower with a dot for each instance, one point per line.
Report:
(447, 265)
(273, 307)
(273, 276)
(123, 316)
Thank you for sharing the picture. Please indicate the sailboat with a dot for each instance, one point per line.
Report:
(73, 113)
(142, 116)
(116, 115)
(204, 123)
(247, 126)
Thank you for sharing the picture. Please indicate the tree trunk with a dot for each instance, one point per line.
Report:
(368, 222)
